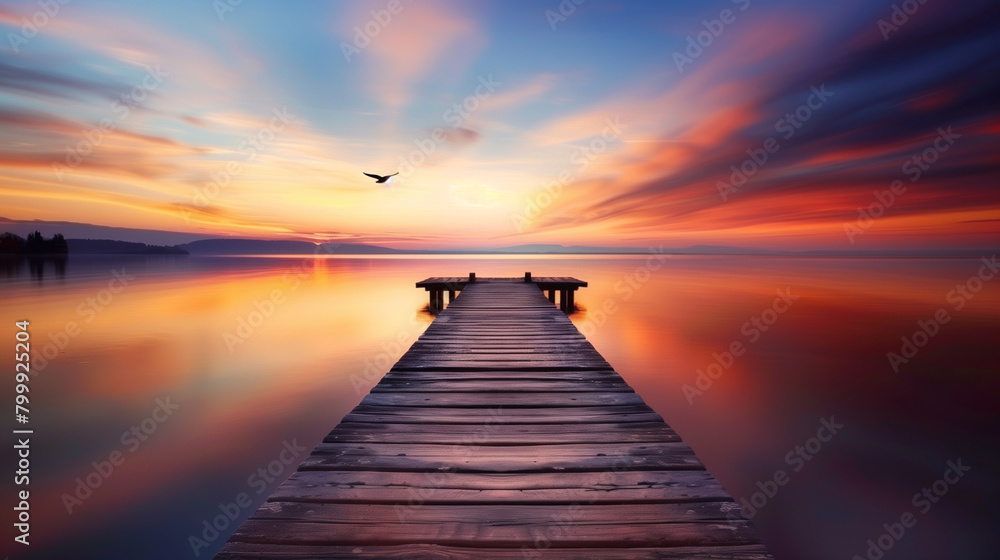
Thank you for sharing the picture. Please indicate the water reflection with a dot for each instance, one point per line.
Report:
(260, 352)
(826, 355)
(13, 267)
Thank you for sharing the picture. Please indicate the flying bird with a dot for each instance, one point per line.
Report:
(380, 178)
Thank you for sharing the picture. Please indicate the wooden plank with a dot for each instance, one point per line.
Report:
(622, 487)
(514, 376)
(483, 366)
(484, 532)
(502, 434)
(500, 415)
(478, 385)
(502, 514)
(525, 452)
(240, 550)
(524, 354)
(502, 399)
(493, 344)
(486, 458)
(456, 418)
(516, 349)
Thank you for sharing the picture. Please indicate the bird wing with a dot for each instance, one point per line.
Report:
(393, 175)
(372, 176)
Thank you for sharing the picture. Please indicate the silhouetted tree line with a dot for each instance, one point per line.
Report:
(35, 244)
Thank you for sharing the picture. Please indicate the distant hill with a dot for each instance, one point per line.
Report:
(363, 249)
(588, 250)
(262, 247)
(110, 247)
(77, 230)
(247, 247)
(551, 248)
(724, 250)
(88, 237)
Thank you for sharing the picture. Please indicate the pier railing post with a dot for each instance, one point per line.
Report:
(527, 277)
(472, 277)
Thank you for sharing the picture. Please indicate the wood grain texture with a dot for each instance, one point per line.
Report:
(238, 550)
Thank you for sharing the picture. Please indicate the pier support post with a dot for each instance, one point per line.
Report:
(451, 296)
(552, 296)
(570, 305)
(437, 300)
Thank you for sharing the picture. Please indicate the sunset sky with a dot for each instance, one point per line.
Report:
(510, 122)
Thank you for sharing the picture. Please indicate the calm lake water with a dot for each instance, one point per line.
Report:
(220, 364)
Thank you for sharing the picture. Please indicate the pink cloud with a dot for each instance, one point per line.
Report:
(9, 18)
(419, 40)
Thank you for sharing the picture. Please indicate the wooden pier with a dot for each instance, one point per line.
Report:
(502, 433)
(565, 287)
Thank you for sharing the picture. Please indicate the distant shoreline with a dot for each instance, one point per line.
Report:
(567, 256)
(13, 245)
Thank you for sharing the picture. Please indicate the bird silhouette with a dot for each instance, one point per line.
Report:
(380, 178)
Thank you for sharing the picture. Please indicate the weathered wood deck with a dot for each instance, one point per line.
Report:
(502, 433)
(437, 286)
